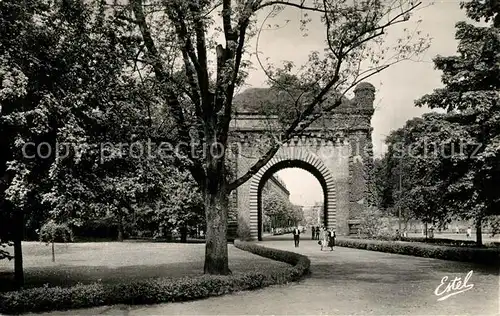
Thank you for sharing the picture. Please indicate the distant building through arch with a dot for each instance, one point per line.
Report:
(274, 185)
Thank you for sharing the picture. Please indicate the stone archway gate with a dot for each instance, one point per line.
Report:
(337, 148)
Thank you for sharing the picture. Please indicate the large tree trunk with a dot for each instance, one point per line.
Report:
(120, 229)
(216, 200)
(183, 231)
(18, 252)
(167, 234)
(216, 210)
(479, 233)
(53, 253)
(120, 232)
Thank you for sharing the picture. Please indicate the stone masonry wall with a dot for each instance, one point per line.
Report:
(338, 146)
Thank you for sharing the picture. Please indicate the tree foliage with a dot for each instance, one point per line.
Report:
(80, 132)
(55, 232)
(88, 73)
(60, 69)
(471, 95)
(175, 50)
(4, 254)
(373, 224)
(421, 160)
(450, 163)
(279, 210)
(179, 205)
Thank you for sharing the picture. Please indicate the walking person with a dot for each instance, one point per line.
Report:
(469, 232)
(296, 236)
(323, 238)
(317, 232)
(313, 232)
(320, 241)
(331, 239)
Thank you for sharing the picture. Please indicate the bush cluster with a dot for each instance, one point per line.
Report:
(243, 230)
(55, 232)
(450, 242)
(300, 263)
(153, 291)
(478, 255)
(435, 241)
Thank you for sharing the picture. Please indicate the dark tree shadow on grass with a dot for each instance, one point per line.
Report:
(68, 275)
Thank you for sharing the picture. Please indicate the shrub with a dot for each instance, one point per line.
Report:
(435, 241)
(476, 255)
(99, 229)
(300, 263)
(373, 224)
(154, 291)
(54, 232)
(243, 230)
(451, 242)
(4, 254)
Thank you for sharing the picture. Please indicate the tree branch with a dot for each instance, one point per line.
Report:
(288, 134)
(157, 64)
(165, 81)
(194, 94)
(188, 47)
(230, 92)
(290, 4)
(299, 124)
(226, 20)
(201, 48)
(391, 22)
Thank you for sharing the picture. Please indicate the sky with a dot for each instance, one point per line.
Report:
(397, 87)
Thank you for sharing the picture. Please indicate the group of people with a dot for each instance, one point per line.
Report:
(325, 237)
(468, 232)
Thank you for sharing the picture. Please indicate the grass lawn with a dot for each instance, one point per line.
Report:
(111, 262)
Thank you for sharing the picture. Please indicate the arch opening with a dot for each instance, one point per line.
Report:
(286, 164)
(292, 157)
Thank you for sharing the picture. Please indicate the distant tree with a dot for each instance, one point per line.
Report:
(471, 96)
(52, 232)
(381, 186)
(275, 207)
(178, 35)
(373, 224)
(52, 70)
(180, 205)
(419, 171)
(296, 214)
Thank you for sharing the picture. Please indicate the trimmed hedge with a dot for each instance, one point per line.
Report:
(451, 242)
(437, 241)
(300, 263)
(488, 256)
(154, 291)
